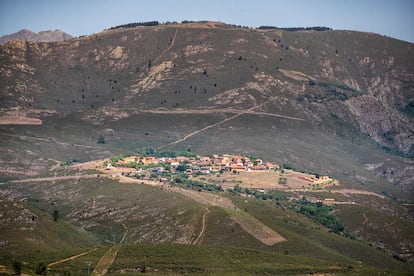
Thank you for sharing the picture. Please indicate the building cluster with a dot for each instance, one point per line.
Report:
(202, 164)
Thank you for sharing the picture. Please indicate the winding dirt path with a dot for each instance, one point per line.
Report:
(125, 233)
(211, 126)
(168, 48)
(365, 219)
(72, 257)
(203, 228)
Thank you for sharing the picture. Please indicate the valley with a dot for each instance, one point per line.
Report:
(231, 192)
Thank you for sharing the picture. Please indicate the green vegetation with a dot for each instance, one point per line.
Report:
(328, 92)
(282, 181)
(321, 213)
(17, 267)
(55, 215)
(41, 269)
(221, 260)
(184, 182)
(237, 190)
(101, 139)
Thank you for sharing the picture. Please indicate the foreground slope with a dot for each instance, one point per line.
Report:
(130, 216)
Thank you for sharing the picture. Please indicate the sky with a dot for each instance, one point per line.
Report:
(394, 18)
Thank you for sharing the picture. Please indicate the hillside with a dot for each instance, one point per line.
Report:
(43, 36)
(314, 97)
(331, 103)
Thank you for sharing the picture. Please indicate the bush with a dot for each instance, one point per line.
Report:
(17, 267)
(55, 215)
(320, 213)
(41, 269)
(101, 139)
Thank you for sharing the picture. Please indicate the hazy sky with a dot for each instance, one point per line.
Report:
(393, 18)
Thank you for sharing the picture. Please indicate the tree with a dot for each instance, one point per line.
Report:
(41, 269)
(101, 139)
(182, 168)
(55, 215)
(17, 267)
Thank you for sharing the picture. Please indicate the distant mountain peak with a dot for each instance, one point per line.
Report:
(42, 36)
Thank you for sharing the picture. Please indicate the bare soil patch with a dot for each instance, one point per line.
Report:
(24, 117)
(257, 229)
(296, 75)
(348, 192)
(269, 180)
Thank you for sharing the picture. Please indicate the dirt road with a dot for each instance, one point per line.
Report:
(105, 261)
(72, 257)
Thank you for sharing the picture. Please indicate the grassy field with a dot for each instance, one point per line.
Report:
(213, 260)
(308, 238)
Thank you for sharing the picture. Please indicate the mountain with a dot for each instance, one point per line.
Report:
(337, 103)
(310, 98)
(42, 36)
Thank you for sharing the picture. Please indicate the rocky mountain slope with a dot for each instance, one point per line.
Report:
(43, 36)
(339, 102)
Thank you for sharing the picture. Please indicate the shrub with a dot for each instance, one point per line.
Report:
(101, 139)
(17, 267)
(41, 269)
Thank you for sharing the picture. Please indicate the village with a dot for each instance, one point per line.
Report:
(245, 175)
(225, 164)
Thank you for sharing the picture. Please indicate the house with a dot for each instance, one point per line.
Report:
(205, 159)
(216, 168)
(259, 168)
(172, 162)
(237, 167)
(130, 159)
(157, 170)
(205, 170)
(329, 201)
(249, 164)
(127, 160)
(149, 160)
(270, 166)
(259, 161)
(238, 160)
(182, 159)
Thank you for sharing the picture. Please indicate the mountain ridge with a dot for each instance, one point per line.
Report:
(42, 36)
